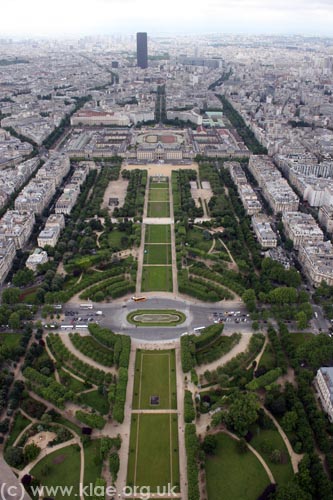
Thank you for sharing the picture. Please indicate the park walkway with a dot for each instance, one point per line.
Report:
(173, 242)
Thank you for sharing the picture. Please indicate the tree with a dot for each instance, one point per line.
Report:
(302, 321)
(209, 444)
(249, 298)
(289, 421)
(11, 295)
(242, 412)
(23, 277)
(14, 456)
(292, 491)
(31, 451)
(14, 321)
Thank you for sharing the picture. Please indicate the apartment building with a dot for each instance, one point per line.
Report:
(48, 236)
(7, 255)
(301, 228)
(317, 262)
(324, 389)
(36, 196)
(66, 201)
(90, 117)
(280, 197)
(37, 258)
(263, 231)
(17, 226)
(325, 216)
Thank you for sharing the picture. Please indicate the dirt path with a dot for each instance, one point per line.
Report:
(259, 356)
(288, 377)
(124, 429)
(234, 294)
(140, 260)
(295, 458)
(213, 246)
(233, 265)
(161, 169)
(173, 243)
(181, 424)
(240, 347)
(140, 253)
(78, 354)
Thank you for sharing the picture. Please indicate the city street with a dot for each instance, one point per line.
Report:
(197, 315)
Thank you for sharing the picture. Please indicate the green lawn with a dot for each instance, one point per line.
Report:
(234, 476)
(157, 254)
(20, 423)
(60, 468)
(96, 401)
(268, 358)
(92, 461)
(72, 383)
(159, 209)
(156, 278)
(155, 375)
(159, 194)
(159, 233)
(115, 238)
(10, 340)
(282, 472)
(158, 185)
(300, 338)
(154, 455)
(195, 238)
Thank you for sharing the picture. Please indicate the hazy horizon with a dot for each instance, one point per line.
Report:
(21, 18)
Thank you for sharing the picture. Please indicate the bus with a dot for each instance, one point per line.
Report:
(139, 299)
(199, 328)
(86, 306)
(67, 327)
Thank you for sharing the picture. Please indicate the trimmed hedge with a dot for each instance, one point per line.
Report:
(264, 380)
(120, 397)
(91, 348)
(120, 344)
(189, 411)
(192, 452)
(91, 419)
(65, 357)
(48, 388)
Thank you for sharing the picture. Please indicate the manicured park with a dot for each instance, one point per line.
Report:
(158, 209)
(156, 278)
(154, 455)
(155, 376)
(157, 233)
(158, 194)
(157, 254)
(60, 468)
(233, 475)
(158, 201)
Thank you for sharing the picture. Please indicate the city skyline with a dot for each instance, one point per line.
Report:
(20, 18)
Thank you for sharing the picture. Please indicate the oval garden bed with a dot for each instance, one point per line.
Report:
(156, 317)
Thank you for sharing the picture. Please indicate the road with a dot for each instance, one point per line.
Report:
(197, 314)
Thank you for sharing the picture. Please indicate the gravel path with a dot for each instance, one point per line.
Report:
(240, 347)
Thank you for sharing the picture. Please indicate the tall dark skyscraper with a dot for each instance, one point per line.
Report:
(142, 50)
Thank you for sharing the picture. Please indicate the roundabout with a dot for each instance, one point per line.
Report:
(156, 317)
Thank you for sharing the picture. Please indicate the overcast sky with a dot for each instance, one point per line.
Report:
(80, 17)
